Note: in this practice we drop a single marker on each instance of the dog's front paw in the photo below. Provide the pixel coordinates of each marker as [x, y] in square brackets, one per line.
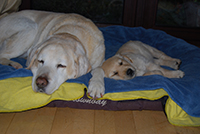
[96, 89]
[176, 63]
[179, 74]
[15, 65]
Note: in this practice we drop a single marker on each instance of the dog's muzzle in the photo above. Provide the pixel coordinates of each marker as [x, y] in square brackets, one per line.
[41, 83]
[130, 72]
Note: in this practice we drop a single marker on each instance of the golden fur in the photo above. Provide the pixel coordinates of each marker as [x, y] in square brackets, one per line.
[135, 58]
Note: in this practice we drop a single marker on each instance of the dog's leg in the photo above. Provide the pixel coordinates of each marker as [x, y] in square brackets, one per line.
[161, 58]
[170, 63]
[156, 69]
[16, 65]
[15, 39]
[13, 46]
[9, 50]
[154, 72]
[96, 87]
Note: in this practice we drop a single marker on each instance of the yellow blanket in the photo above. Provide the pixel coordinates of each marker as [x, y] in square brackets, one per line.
[17, 95]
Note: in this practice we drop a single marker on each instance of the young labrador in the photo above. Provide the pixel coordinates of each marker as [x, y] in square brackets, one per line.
[57, 47]
[135, 58]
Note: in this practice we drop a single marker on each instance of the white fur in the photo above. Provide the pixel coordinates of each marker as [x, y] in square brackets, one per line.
[57, 46]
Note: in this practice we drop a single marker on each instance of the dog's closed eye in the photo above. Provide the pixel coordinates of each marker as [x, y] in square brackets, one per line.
[41, 61]
[115, 73]
[61, 66]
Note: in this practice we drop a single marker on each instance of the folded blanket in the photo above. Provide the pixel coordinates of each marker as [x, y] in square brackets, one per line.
[184, 92]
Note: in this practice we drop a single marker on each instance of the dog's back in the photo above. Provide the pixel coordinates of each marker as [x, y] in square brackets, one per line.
[137, 48]
[34, 27]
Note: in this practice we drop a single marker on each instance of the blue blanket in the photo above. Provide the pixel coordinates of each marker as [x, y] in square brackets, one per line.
[185, 92]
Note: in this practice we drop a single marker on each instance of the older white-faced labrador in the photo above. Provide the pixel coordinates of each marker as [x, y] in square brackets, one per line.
[135, 58]
[57, 46]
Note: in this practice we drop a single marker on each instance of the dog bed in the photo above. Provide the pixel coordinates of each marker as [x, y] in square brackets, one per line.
[180, 97]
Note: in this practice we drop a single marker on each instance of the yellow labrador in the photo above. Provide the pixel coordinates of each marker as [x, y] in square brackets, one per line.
[57, 46]
[135, 58]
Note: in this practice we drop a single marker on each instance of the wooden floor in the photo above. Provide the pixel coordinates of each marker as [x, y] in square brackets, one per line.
[75, 121]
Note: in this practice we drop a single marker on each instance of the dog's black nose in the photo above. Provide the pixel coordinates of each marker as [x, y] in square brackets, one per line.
[41, 82]
[130, 72]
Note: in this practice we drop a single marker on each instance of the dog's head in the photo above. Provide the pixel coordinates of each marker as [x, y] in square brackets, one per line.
[119, 67]
[56, 61]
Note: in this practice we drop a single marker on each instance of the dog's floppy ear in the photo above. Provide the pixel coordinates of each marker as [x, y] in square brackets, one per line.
[83, 65]
[31, 60]
[80, 65]
[33, 55]
[126, 56]
[81, 60]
